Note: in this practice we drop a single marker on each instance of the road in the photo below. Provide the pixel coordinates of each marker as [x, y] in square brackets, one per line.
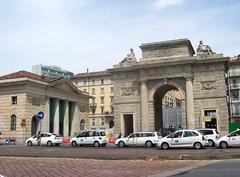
[115, 153]
[226, 168]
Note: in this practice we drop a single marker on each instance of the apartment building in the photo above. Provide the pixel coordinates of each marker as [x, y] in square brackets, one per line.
[234, 89]
[98, 85]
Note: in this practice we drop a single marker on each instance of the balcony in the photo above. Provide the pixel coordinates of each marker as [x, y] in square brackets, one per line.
[93, 104]
[234, 86]
[108, 114]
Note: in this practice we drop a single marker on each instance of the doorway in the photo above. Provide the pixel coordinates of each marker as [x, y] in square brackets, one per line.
[34, 125]
[128, 123]
[210, 117]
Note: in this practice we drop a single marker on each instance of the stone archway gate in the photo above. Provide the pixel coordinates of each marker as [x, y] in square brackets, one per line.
[200, 78]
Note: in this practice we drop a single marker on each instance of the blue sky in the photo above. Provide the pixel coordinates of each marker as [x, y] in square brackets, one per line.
[95, 34]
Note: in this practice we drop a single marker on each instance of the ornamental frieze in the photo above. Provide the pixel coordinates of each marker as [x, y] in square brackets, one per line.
[208, 85]
[127, 91]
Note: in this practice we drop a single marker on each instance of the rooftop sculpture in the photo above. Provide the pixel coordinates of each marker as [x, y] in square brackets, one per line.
[204, 49]
[130, 58]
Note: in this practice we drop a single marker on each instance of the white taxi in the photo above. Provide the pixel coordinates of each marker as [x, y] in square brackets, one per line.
[183, 138]
[147, 139]
[48, 139]
[92, 137]
[230, 140]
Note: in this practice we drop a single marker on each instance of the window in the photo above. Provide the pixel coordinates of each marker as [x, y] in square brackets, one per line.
[93, 91]
[235, 95]
[102, 90]
[236, 133]
[206, 132]
[13, 123]
[112, 109]
[93, 122]
[85, 90]
[84, 82]
[102, 81]
[111, 97]
[111, 89]
[82, 125]
[82, 108]
[234, 81]
[93, 82]
[177, 135]
[14, 99]
[102, 121]
[102, 109]
[93, 110]
[187, 134]
[102, 99]
[36, 101]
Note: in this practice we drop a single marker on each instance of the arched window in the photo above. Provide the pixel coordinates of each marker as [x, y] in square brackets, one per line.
[13, 123]
[82, 125]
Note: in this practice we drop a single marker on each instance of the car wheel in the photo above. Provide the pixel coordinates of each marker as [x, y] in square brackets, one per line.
[165, 146]
[121, 144]
[29, 143]
[74, 144]
[211, 143]
[223, 145]
[96, 144]
[197, 145]
[148, 144]
[49, 143]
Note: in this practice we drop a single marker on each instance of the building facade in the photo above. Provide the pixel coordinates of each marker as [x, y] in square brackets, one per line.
[99, 86]
[234, 89]
[52, 71]
[23, 95]
[171, 65]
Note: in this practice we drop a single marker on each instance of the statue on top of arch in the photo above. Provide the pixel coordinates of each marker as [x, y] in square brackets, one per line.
[204, 49]
[130, 58]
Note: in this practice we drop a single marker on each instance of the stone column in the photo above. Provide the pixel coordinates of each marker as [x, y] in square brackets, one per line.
[144, 123]
[56, 116]
[75, 121]
[66, 119]
[47, 114]
[190, 104]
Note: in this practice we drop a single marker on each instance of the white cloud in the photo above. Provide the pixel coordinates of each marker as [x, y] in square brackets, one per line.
[161, 4]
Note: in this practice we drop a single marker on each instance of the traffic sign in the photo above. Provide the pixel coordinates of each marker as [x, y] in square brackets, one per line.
[40, 115]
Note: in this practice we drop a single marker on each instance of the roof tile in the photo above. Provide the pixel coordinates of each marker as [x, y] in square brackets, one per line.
[22, 74]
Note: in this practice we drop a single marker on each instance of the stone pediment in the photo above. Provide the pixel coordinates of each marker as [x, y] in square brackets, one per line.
[66, 86]
[167, 49]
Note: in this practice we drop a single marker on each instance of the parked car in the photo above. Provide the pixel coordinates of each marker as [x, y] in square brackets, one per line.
[212, 135]
[147, 139]
[48, 139]
[93, 137]
[183, 138]
[230, 140]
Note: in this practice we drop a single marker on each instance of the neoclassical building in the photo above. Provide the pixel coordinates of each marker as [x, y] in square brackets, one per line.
[139, 86]
[24, 94]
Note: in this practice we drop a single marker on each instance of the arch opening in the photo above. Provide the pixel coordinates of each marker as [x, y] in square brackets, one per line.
[167, 108]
